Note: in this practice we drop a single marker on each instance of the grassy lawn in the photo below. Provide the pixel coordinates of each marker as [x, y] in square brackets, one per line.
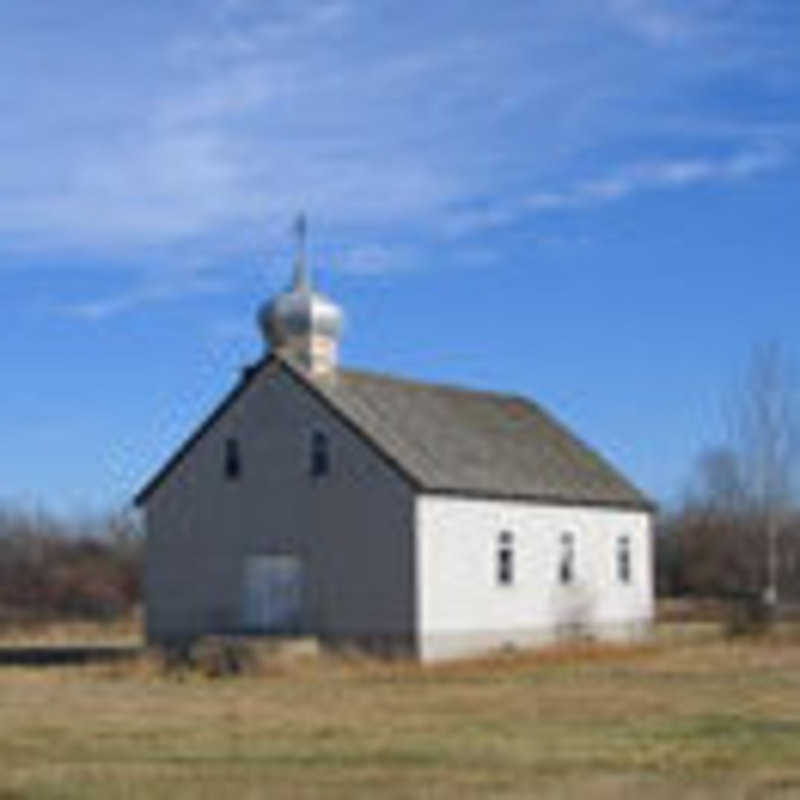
[680, 720]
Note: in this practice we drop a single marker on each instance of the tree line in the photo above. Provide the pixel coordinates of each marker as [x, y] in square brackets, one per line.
[57, 568]
[737, 532]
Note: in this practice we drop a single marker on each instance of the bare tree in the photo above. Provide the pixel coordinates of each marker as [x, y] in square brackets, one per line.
[718, 482]
[711, 546]
[764, 441]
[54, 567]
[737, 534]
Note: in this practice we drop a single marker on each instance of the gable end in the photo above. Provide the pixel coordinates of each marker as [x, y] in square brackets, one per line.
[248, 376]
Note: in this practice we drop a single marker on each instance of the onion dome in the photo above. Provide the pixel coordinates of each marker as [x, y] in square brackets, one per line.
[300, 321]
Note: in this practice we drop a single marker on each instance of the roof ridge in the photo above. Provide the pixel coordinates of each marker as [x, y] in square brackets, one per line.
[437, 385]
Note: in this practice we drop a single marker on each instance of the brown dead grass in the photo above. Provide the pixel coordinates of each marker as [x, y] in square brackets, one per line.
[679, 618]
[691, 719]
[684, 617]
[124, 630]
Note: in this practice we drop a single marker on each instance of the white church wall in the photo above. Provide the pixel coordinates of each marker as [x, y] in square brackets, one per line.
[463, 609]
[352, 528]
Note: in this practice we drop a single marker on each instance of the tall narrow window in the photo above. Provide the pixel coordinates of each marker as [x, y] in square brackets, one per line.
[233, 460]
[566, 563]
[505, 559]
[320, 455]
[624, 559]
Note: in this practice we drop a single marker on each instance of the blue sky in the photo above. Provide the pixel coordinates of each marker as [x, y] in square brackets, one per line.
[593, 202]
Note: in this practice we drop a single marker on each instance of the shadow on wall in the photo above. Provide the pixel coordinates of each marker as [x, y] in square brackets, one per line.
[573, 607]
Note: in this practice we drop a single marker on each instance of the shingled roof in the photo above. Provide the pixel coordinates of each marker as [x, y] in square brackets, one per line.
[458, 441]
[449, 440]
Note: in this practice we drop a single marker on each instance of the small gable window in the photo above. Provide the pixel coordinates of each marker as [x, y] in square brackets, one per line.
[505, 559]
[320, 454]
[624, 559]
[566, 563]
[233, 460]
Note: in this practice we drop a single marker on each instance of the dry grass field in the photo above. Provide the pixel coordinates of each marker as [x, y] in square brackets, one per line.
[124, 630]
[685, 719]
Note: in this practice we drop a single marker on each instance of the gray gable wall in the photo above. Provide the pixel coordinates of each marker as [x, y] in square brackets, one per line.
[353, 528]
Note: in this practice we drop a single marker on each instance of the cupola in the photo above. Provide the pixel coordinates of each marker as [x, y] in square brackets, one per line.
[300, 323]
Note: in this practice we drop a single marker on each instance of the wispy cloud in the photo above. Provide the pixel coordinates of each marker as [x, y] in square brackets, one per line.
[370, 259]
[472, 220]
[412, 127]
[143, 294]
[657, 23]
[654, 175]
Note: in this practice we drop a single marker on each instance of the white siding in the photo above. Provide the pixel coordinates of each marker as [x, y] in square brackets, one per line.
[461, 607]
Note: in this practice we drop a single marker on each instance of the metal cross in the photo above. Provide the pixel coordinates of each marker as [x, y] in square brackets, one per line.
[301, 270]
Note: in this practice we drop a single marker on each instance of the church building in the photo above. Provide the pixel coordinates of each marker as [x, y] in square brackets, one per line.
[385, 513]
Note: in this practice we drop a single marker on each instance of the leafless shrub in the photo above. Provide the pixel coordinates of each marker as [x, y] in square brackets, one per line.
[56, 569]
[223, 656]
